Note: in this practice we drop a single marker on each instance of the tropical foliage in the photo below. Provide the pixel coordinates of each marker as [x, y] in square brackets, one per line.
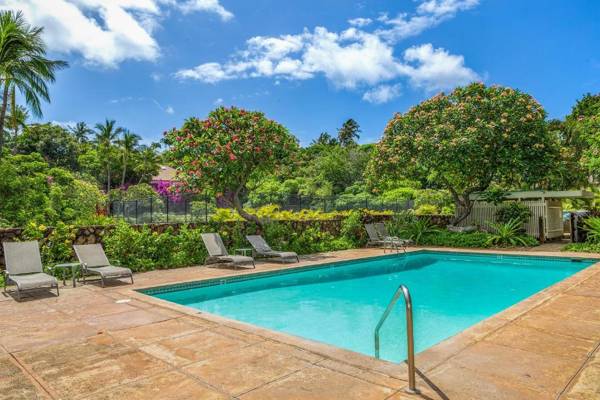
[509, 234]
[468, 140]
[32, 190]
[227, 150]
[23, 67]
[513, 211]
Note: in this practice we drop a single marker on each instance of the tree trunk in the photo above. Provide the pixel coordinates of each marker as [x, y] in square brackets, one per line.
[108, 179]
[240, 209]
[3, 116]
[124, 169]
[465, 204]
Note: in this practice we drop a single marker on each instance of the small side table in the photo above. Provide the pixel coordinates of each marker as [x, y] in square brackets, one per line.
[73, 267]
[244, 252]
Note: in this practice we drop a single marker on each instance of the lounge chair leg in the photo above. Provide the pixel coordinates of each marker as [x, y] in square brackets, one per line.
[57, 292]
[253, 265]
[102, 279]
[18, 294]
[131, 276]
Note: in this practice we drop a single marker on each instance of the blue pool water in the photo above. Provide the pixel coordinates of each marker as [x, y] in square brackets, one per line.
[340, 303]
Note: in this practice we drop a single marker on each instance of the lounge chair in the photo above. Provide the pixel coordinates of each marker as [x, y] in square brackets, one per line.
[386, 237]
[374, 238]
[94, 261]
[217, 253]
[263, 249]
[24, 267]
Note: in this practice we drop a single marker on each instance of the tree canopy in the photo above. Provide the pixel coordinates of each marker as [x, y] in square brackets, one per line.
[223, 152]
[469, 139]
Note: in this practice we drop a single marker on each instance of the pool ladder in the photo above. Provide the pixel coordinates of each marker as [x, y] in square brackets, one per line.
[402, 290]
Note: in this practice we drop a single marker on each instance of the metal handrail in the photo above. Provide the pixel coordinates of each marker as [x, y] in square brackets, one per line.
[412, 385]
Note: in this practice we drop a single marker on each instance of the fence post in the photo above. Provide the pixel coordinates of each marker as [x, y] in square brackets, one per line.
[299, 202]
[167, 208]
[541, 228]
[151, 210]
[366, 203]
[206, 209]
[185, 210]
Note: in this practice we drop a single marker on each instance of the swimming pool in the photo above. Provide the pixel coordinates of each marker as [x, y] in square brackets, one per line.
[341, 303]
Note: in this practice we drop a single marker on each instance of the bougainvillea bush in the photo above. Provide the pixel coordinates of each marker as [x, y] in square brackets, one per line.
[221, 153]
[468, 140]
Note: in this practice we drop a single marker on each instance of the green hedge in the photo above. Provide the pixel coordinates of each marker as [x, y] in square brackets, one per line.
[467, 240]
[144, 250]
[586, 247]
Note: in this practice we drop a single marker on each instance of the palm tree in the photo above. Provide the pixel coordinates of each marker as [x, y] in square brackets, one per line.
[325, 139]
[18, 118]
[106, 135]
[81, 131]
[23, 65]
[348, 132]
[148, 163]
[128, 143]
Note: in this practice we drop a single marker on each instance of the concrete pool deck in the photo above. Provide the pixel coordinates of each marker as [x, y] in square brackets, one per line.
[115, 343]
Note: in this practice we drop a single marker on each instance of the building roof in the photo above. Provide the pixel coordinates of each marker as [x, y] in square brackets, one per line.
[544, 194]
[165, 173]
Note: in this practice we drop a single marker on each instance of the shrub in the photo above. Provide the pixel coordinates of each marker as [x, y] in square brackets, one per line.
[437, 198]
[32, 191]
[592, 227]
[418, 229]
[457, 239]
[426, 209]
[352, 230]
[55, 247]
[509, 234]
[513, 210]
[396, 225]
[583, 247]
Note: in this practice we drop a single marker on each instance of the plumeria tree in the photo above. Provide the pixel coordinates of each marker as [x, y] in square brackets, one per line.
[225, 151]
[467, 140]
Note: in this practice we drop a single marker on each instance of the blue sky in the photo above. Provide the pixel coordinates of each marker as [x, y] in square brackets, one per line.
[309, 64]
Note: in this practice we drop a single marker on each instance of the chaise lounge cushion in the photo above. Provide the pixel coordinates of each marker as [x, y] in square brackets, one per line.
[33, 281]
[110, 271]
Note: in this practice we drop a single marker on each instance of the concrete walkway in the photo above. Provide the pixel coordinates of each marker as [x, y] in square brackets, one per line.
[114, 343]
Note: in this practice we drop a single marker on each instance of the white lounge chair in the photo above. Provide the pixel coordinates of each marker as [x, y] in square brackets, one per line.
[94, 261]
[217, 253]
[262, 248]
[24, 267]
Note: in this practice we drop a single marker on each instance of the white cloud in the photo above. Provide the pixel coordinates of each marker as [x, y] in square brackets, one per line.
[206, 5]
[353, 59]
[360, 22]
[156, 77]
[170, 110]
[105, 32]
[218, 102]
[436, 69]
[382, 94]
[348, 59]
[429, 14]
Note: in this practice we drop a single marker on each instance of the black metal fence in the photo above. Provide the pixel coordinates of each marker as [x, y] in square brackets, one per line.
[200, 209]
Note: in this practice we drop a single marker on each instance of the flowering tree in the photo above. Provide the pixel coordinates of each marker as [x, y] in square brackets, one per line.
[468, 140]
[226, 150]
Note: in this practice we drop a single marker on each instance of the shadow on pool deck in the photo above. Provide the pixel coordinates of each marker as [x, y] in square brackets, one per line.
[115, 343]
